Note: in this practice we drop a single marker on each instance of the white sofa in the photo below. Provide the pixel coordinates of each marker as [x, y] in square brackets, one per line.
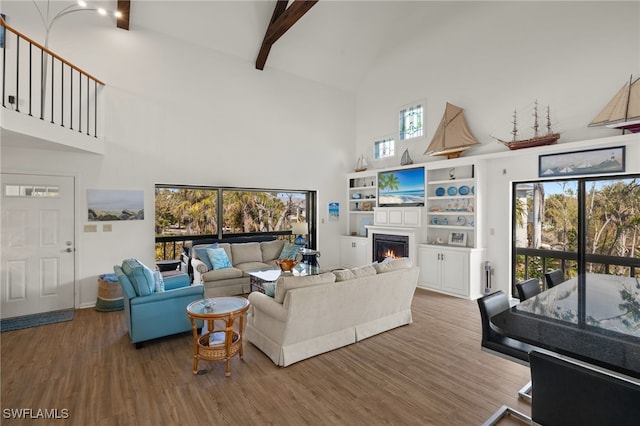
[316, 314]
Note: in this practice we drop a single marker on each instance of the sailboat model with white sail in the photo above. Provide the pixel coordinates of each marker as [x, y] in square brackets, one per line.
[623, 111]
[452, 136]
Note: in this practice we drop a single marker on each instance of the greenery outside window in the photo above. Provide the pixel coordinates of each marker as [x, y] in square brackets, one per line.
[189, 213]
[558, 222]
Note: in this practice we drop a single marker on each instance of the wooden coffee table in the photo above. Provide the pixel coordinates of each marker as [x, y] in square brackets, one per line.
[217, 344]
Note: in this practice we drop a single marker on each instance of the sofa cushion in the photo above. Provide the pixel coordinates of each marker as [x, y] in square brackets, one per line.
[218, 257]
[246, 252]
[289, 251]
[400, 263]
[349, 274]
[201, 253]
[271, 249]
[286, 283]
[222, 274]
[140, 276]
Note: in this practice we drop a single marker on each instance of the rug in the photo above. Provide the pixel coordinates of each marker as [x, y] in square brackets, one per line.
[36, 320]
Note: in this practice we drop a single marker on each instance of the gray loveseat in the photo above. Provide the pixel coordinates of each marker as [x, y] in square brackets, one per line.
[244, 257]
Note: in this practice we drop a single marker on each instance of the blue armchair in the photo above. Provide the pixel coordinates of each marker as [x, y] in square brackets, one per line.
[149, 313]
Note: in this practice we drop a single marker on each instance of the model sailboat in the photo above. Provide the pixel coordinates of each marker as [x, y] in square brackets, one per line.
[623, 111]
[537, 140]
[452, 136]
[361, 164]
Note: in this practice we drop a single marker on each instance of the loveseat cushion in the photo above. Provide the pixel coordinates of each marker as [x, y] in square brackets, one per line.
[271, 249]
[286, 283]
[246, 252]
[222, 274]
[141, 277]
[392, 265]
[349, 274]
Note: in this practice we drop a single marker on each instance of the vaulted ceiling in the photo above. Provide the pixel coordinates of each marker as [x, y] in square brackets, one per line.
[334, 42]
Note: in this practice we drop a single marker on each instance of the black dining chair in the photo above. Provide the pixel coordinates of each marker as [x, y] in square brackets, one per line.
[571, 393]
[528, 288]
[554, 277]
[498, 344]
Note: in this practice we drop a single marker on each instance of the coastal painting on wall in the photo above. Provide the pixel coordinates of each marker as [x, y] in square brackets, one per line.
[107, 205]
[586, 162]
[334, 211]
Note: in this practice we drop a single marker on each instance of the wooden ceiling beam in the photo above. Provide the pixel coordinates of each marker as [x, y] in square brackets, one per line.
[282, 19]
[124, 7]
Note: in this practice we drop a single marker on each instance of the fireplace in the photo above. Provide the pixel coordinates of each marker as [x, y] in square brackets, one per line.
[390, 246]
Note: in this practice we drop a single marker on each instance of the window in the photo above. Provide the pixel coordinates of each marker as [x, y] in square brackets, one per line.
[11, 190]
[411, 119]
[384, 148]
[187, 213]
[556, 223]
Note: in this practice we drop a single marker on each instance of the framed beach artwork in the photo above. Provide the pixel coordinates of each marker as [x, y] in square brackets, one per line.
[585, 162]
[334, 211]
[108, 205]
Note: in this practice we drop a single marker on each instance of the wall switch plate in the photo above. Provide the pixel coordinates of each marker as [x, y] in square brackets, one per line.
[91, 228]
[106, 228]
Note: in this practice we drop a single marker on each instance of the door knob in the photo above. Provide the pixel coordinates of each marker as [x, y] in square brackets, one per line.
[69, 250]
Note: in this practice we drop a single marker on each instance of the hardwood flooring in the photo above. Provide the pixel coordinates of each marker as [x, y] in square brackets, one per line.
[431, 372]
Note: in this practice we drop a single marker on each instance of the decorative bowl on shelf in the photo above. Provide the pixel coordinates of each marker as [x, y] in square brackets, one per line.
[463, 190]
[439, 191]
[452, 190]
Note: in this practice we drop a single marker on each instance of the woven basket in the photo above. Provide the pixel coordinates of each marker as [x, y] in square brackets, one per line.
[109, 296]
[217, 352]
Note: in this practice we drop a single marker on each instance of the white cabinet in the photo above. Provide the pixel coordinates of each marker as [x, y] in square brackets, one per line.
[451, 270]
[353, 252]
[361, 200]
[398, 216]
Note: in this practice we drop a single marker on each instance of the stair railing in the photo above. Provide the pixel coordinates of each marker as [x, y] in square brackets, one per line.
[70, 101]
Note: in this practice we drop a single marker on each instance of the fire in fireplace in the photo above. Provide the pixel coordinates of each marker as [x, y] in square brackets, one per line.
[389, 246]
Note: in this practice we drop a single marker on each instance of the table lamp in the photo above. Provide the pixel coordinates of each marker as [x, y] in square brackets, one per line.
[300, 229]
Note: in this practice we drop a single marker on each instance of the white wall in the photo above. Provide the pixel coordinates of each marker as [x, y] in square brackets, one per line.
[493, 57]
[181, 114]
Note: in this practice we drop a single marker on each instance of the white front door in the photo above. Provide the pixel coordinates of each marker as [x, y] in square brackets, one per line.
[37, 244]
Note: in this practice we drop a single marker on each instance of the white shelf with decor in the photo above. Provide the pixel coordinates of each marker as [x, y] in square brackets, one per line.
[452, 258]
[361, 199]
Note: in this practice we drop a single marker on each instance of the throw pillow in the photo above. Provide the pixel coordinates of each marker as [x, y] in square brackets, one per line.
[202, 254]
[219, 258]
[140, 276]
[159, 282]
[269, 288]
[289, 251]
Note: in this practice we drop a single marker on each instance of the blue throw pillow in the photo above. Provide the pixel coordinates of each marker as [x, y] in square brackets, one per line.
[159, 282]
[219, 258]
[202, 254]
[269, 288]
[289, 251]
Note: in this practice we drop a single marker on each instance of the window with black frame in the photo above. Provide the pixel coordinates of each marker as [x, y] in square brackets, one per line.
[580, 226]
[190, 213]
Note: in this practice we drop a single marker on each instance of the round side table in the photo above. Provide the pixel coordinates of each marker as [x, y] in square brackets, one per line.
[217, 344]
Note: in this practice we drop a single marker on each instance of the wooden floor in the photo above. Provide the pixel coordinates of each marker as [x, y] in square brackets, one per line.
[431, 372]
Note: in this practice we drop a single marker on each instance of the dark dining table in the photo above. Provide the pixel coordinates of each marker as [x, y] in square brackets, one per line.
[594, 318]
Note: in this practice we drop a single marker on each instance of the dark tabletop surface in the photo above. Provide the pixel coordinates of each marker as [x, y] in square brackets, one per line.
[594, 318]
